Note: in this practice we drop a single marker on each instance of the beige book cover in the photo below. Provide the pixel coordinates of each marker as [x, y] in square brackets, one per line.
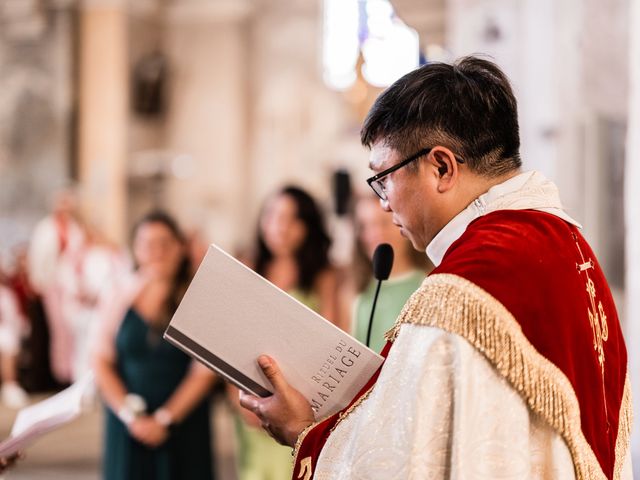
[230, 315]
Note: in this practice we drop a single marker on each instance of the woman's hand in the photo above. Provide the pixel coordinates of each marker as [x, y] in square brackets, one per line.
[148, 431]
[286, 413]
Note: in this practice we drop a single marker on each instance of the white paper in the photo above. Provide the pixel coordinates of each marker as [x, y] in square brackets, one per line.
[36, 420]
[230, 315]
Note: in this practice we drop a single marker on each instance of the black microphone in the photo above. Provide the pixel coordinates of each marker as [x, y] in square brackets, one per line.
[382, 263]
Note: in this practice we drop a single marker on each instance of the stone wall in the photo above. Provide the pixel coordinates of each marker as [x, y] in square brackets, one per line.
[36, 111]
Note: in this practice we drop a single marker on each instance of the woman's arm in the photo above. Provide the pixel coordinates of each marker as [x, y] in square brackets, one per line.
[153, 430]
[143, 428]
[109, 382]
[110, 312]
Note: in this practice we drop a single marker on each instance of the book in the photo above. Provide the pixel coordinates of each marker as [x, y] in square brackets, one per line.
[230, 315]
[36, 420]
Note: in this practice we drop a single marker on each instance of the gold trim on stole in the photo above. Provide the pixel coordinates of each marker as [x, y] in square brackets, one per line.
[341, 416]
[458, 306]
[300, 439]
[625, 422]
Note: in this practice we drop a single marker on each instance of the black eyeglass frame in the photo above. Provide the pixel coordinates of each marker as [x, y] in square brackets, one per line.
[375, 179]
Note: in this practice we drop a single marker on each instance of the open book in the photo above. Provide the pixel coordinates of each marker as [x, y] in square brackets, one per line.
[36, 420]
[230, 315]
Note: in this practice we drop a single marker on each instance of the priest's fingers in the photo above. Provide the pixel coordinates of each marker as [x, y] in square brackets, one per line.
[285, 413]
[272, 372]
[250, 402]
[248, 415]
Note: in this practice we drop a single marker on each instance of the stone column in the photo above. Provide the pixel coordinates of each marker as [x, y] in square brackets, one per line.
[206, 131]
[103, 118]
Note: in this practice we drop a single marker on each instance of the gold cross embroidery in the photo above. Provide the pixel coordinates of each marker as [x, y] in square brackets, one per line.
[597, 318]
[598, 321]
[306, 470]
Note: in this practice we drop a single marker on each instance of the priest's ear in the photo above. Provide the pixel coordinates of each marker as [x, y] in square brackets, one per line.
[447, 167]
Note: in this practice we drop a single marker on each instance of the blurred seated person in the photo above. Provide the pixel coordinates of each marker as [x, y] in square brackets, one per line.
[410, 267]
[35, 369]
[292, 252]
[12, 328]
[157, 415]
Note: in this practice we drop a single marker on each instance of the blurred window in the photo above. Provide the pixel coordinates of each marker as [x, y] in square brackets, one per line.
[388, 47]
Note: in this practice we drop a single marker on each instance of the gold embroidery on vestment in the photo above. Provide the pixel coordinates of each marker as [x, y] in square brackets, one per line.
[341, 416]
[300, 439]
[597, 320]
[306, 469]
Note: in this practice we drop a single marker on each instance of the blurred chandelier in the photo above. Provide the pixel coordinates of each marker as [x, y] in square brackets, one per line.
[364, 41]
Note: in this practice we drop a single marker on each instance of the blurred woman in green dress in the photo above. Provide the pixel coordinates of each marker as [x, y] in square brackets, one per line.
[373, 227]
[292, 253]
[157, 408]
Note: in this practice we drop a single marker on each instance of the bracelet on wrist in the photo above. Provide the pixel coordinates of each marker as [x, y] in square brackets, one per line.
[163, 417]
[133, 406]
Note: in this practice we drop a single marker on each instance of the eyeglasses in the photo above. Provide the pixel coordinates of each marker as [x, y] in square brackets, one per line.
[376, 182]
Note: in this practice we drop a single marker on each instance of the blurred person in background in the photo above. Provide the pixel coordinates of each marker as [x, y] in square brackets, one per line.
[197, 246]
[373, 227]
[12, 329]
[87, 276]
[35, 372]
[292, 252]
[57, 238]
[157, 415]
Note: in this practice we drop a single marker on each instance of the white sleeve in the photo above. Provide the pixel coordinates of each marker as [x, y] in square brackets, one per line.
[439, 410]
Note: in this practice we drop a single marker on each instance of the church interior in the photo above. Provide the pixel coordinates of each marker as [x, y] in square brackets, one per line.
[203, 109]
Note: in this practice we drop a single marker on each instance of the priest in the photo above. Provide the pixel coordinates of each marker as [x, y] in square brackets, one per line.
[509, 360]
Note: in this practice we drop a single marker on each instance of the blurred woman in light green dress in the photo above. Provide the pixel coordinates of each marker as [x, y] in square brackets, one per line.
[292, 253]
[373, 227]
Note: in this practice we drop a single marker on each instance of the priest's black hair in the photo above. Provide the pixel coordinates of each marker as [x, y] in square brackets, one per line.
[468, 107]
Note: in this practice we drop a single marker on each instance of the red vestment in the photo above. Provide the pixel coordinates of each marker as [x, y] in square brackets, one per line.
[542, 271]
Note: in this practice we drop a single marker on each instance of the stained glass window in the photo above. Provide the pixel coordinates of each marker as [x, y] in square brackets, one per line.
[389, 48]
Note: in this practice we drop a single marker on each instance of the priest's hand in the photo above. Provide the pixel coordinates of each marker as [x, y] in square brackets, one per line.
[286, 413]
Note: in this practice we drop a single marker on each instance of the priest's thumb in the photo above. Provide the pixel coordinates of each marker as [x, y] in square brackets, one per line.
[272, 372]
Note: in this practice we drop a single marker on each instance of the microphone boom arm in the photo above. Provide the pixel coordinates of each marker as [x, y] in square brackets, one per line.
[373, 309]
